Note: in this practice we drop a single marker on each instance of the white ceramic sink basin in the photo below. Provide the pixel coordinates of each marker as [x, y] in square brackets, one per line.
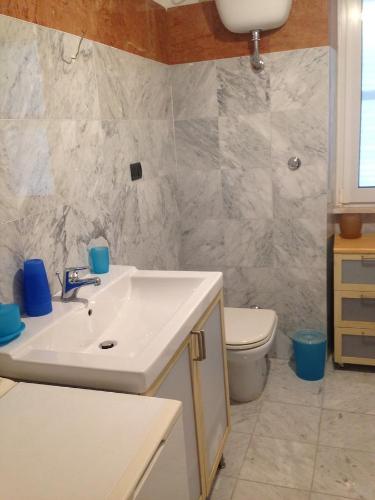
[145, 315]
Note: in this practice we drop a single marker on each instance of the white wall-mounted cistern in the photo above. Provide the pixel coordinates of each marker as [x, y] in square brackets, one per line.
[254, 16]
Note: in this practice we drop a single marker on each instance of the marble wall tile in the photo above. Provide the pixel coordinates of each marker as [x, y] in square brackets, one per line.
[279, 462]
[131, 86]
[199, 195]
[194, 91]
[291, 422]
[299, 78]
[240, 90]
[158, 219]
[26, 172]
[16, 31]
[249, 243]
[83, 180]
[300, 301]
[21, 79]
[245, 141]
[11, 262]
[67, 232]
[303, 134]
[154, 102]
[197, 144]
[70, 89]
[249, 489]
[111, 70]
[291, 235]
[247, 286]
[345, 473]
[247, 193]
[201, 244]
[156, 147]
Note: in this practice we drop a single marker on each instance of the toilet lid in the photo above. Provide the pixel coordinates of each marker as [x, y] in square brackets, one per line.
[248, 327]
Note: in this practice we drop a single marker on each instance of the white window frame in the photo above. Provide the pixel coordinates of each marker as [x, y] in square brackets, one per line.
[349, 88]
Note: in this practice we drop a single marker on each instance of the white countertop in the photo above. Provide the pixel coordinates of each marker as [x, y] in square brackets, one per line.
[62, 443]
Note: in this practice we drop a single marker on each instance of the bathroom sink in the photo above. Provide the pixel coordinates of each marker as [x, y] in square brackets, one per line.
[118, 336]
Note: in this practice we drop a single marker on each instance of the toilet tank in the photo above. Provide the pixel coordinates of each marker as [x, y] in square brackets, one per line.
[242, 16]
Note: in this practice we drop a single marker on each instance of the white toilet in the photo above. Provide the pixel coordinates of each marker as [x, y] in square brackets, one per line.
[249, 337]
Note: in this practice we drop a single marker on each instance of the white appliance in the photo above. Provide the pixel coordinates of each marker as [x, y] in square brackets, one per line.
[59, 443]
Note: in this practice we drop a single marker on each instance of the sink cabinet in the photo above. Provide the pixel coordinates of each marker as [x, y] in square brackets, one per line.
[197, 376]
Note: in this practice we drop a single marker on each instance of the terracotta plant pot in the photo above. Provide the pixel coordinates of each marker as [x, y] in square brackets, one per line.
[350, 226]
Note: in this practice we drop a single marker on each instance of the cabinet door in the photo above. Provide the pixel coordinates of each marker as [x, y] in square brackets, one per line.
[212, 384]
[178, 385]
[166, 474]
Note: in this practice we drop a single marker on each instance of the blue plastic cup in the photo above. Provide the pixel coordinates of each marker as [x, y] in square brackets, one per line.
[310, 351]
[37, 294]
[10, 320]
[99, 260]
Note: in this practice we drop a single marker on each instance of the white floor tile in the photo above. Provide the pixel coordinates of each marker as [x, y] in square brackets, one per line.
[320, 496]
[248, 490]
[285, 387]
[223, 488]
[350, 391]
[244, 416]
[279, 462]
[346, 473]
[291, 422]
[234, 453]
[347, 430]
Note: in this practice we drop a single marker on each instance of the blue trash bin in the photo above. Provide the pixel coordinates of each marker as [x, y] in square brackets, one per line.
[310, 351]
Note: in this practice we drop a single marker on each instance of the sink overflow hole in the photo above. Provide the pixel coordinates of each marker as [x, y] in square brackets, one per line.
[89, 312]
[107, 344]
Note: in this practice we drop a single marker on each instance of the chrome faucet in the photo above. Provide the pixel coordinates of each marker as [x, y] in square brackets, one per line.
[71, 282]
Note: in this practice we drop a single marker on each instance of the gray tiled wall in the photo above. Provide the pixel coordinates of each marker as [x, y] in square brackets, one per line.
[242, 210]
[68, 133]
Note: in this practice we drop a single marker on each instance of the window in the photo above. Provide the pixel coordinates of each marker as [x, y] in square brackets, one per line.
[367, 136]
[356, 103]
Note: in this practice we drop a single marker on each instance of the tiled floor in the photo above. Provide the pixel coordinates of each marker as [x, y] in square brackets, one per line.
[303, 440]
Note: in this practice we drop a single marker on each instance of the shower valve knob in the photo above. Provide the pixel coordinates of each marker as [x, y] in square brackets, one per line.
[294, 163]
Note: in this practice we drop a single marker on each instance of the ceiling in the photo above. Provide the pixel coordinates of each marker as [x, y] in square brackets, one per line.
[177, 3]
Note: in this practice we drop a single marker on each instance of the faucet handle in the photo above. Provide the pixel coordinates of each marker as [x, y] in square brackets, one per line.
[76, 269]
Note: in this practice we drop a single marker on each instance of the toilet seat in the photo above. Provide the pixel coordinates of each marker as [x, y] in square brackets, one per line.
[248, 328]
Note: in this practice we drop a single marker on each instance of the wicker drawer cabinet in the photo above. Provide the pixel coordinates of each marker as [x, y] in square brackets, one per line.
[354, 299]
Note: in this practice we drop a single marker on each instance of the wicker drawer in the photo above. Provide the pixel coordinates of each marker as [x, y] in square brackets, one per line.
[355, 345]
[355, 272]
[355, 309]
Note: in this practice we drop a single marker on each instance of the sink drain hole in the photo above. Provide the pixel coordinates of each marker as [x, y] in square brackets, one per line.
[107, 344]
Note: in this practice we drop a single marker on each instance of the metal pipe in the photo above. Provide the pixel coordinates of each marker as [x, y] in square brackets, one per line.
[256, 61]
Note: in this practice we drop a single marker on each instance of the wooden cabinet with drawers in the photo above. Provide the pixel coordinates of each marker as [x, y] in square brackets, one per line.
[354, 300]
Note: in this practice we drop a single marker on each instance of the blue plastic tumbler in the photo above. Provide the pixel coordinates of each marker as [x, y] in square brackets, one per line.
[37, 294]
[99, 260]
